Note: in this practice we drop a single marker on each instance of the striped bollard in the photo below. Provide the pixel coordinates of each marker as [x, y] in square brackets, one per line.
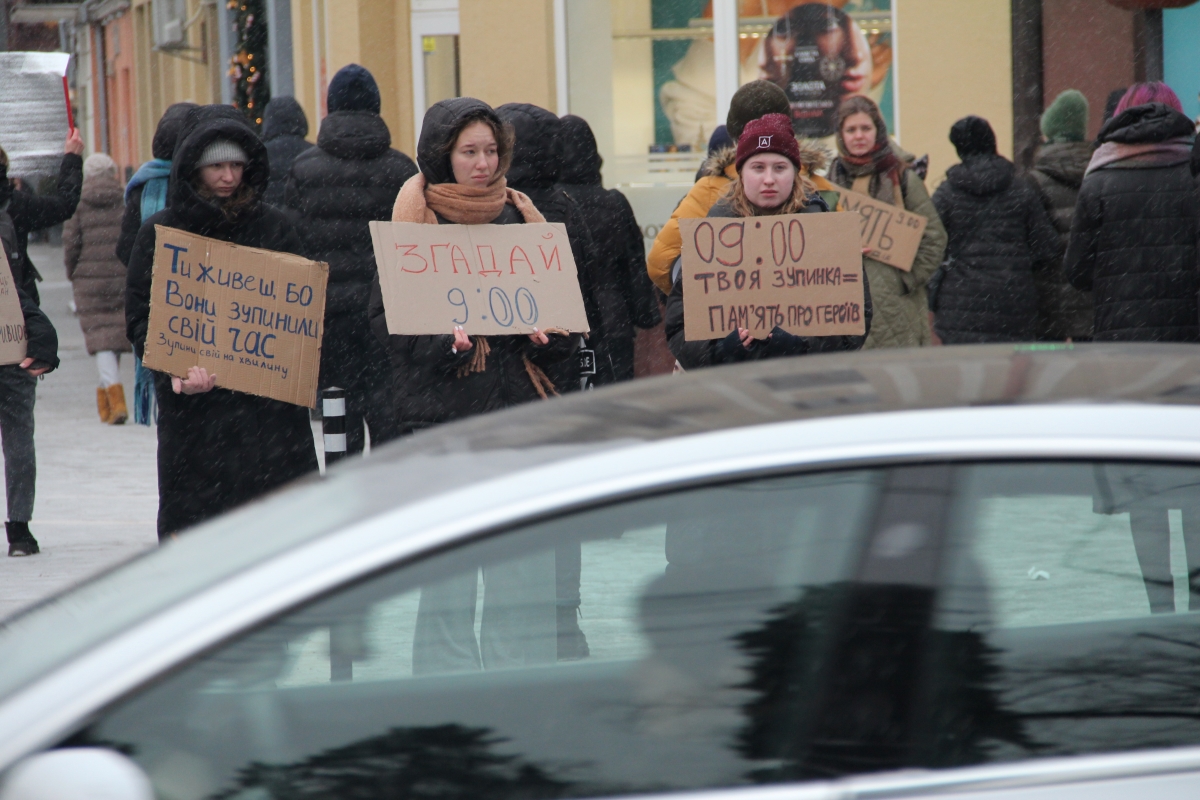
[333, 424]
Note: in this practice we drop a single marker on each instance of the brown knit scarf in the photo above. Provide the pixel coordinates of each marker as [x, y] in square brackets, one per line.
[471, 205]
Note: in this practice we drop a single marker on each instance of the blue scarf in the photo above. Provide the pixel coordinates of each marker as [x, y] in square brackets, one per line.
[153, 176]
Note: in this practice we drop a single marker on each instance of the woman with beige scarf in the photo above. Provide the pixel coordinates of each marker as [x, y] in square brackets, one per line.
[464, 152]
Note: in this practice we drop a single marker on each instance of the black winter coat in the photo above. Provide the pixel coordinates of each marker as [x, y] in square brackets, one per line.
[624, 295]
[32, 212]
[1063, 311]
[283, 131]
[333, 192]
[536, 161]
[714, 352]
[351, 177]
[428, 388]
[1134, 237]
[223, 448]
[41, 340]
[999, 235]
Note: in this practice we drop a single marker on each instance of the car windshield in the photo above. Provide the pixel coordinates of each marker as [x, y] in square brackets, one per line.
[76, 621]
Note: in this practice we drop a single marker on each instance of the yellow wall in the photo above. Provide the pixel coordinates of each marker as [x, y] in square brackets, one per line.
[954, 59]
[162, 79]
[372, 33]
[506, 51]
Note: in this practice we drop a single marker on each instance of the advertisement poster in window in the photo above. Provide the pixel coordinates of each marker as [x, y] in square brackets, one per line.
[817, 52]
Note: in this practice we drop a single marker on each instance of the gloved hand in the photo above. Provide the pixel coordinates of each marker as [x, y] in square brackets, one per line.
[731, 349]
[781, 343]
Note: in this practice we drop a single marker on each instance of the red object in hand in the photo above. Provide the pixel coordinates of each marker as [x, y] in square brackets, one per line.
[70, 113]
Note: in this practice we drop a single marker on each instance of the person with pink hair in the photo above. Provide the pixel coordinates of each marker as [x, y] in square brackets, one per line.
[1134, 244]
[1141, 94]
[1137, 223]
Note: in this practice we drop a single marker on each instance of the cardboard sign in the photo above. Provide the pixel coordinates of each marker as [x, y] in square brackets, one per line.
[492, 280]
[802, 272]
[254, 317]
[892, 233]
[12, 318]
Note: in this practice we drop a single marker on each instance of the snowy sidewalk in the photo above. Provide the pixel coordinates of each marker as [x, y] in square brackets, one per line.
[97, 490]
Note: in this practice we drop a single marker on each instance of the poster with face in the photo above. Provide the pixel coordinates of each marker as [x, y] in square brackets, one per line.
[818, 54]
[817, 51]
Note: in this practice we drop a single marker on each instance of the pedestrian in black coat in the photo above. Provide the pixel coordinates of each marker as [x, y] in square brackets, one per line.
[536, 162]
[283, 130]
[32, 212]
[444, 377]
[999, 236]
[1064, 312]
[146, 192]
[334, 191]
[217, 448]
[18, 394]
[1134, 236]
[623, 291]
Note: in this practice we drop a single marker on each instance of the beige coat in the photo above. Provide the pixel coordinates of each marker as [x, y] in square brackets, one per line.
[98, 278]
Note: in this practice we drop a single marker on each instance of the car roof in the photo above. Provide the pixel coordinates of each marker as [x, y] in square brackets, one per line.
[538, 435]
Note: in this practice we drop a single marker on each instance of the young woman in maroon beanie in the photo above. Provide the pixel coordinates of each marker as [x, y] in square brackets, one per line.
[769, 182]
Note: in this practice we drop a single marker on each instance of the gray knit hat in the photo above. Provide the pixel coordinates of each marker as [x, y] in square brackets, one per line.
[221, 151]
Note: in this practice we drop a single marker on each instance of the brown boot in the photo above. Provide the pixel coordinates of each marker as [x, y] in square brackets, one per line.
[102, 405]
[116, 403]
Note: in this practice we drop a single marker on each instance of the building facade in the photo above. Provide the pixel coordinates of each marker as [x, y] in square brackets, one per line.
[653, 77]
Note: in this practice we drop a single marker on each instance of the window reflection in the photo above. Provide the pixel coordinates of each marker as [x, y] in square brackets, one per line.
[705, 613]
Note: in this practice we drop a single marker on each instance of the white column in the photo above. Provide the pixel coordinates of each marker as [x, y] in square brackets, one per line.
[561, 73]
[225, 46]
[279, 47]
[725, 53]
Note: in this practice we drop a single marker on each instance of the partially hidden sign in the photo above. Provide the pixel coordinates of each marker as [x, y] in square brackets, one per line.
[801, 272]
[254, 317]
[490, 279]
[892, 234]
[12, 319]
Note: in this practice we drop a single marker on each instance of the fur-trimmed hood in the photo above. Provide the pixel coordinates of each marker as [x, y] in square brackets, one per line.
[813, 157]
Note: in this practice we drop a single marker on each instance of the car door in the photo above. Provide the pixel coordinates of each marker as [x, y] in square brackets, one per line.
[1064, 645]
[723, 636]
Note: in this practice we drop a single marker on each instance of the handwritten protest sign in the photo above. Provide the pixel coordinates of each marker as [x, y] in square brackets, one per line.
[490, 279]
[254, 317]
[892, 234]
[802, 272]
[12, 319]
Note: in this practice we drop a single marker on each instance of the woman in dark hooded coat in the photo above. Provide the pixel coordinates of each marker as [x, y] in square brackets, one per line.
[334, 192]
[217, 448]
[536, 161]
[283, 130]
[623, 290]
[1137, 221]
[146, 192]
[999, 236]
[464, 153]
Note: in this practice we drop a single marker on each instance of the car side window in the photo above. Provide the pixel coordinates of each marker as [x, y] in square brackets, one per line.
[663, 643]
[1065, 623]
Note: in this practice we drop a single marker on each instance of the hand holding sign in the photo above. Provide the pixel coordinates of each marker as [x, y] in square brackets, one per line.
[255, 318]
[800, 272]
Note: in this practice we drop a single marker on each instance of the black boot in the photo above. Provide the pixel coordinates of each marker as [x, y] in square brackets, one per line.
[20, 540]
[572, 644]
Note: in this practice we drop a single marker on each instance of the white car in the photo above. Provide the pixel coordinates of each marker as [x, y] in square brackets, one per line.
[960, 572]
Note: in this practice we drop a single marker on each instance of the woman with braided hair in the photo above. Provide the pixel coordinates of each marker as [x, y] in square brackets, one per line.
[463, 153]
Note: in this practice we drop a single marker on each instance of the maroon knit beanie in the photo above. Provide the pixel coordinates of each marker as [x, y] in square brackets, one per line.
[768, 134]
